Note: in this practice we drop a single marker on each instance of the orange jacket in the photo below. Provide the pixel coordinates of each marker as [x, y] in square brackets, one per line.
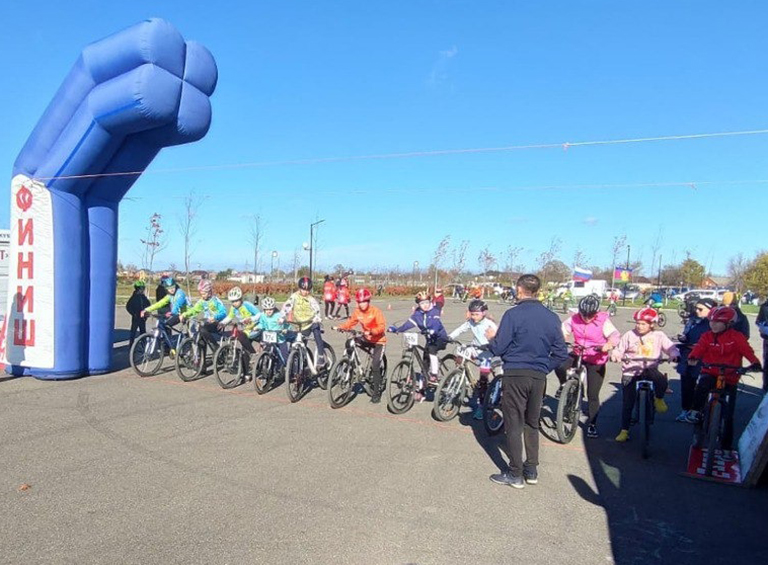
[372, 321]
[329, 291]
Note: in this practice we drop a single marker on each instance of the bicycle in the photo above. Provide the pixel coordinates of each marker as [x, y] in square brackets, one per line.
[710, 430]
[269, 363]
[406, 380]
[493, 416]
[661, 321]
[192, 353]
[229, 360]
[148, 350]
[611, 308]
[301, 366]
[461, 296]
[506, 296]
[352, 370]
[644, 409]
[460, 384]
[571, 395]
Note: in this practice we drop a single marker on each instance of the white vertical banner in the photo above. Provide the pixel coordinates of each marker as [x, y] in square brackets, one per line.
[28, 328]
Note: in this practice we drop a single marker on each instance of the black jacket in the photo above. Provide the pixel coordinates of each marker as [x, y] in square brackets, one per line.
[137, 303]
[530, 339]
[741, 324]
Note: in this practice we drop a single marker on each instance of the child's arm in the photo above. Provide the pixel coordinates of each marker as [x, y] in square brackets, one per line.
[746, 350]
[618, 353]
[458, 331]
[669, 348]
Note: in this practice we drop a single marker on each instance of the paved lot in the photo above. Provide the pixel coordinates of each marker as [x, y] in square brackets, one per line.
[130, 470]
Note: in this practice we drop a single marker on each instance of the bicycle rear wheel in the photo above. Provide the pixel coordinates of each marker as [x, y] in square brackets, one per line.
[713, 436]
[568, 411]
[190, 359]
[330, 361]
[228, 364]
[340, 384]
[448, 396]
[662, 321]
[493, 417]
[264, 373]
[368, 382]
[147, 355]
[295, 378]
[400, 388]
[645, 405]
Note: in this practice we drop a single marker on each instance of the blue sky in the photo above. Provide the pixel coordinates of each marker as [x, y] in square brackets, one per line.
[303, 80]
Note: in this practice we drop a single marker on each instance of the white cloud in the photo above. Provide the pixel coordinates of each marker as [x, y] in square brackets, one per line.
[590, 221]
[438, 76]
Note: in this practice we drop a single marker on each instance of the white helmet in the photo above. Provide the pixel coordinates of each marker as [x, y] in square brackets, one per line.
[235, 293]
[268, 303]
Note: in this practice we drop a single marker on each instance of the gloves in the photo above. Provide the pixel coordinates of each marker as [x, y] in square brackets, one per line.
[755, 368]
[392, 329]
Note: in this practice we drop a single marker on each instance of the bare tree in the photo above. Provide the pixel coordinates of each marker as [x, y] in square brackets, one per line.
[580, 258]
[655, 248]
[154, 242]
[459, 255]
[188, 228]
[619, 243]
[486, 259]
[737, 270]
[256, 233]
[511, 254]
[439, 255]
[546, 259]
[296, 261]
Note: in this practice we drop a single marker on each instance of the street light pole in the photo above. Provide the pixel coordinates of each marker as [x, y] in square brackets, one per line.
[415, 270]
[626, 284]
[272, 267]
[312, 243]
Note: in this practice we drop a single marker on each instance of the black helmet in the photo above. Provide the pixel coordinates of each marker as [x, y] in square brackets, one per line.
[589, 305]
[477, 306]
[305, 283]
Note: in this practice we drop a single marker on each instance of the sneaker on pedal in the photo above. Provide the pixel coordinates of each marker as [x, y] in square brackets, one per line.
[660, 405]
[592, 431]
[693, 417]
[682, 416]
[478, 413]
[623, 436]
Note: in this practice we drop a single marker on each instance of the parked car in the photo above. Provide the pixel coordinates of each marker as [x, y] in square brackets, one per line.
[608, 291]
[630, 293]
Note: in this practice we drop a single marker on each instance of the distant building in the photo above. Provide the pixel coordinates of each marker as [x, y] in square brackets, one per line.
[716, 282]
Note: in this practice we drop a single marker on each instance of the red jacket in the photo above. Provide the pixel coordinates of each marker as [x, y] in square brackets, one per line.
[329, 291]
[726, 348]
[342, 295]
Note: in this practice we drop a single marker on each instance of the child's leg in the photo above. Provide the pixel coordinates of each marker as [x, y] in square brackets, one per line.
[687, 386]
[700, 394]
[660, 382]
[730, 407]
[595, 377]
[628, 402]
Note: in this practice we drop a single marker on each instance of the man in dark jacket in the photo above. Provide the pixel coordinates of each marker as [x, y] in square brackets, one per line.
[762, 324]
[135, 305]
[741, 324]
[530, 342]
[695, 327]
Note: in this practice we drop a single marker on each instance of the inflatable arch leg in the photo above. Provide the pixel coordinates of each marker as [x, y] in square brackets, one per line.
[127, 96]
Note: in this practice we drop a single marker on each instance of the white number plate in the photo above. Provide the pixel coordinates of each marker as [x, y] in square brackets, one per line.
[411, 339]
[467, 353]
[270, 337]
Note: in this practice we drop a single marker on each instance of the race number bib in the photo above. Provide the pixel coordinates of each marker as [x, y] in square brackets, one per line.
[411, 340]
[270, 337]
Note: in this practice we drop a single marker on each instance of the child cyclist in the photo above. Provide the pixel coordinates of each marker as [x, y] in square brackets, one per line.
[212, 309]
[639, 352]
[175, 302]
[245, 313]
[426, 318]
[595, 335]
[304, 310]
[271, 320]
[374, 339]
[477, 323]
[721, 345]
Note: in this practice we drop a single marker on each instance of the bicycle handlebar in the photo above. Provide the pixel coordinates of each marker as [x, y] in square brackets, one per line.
[723, 366]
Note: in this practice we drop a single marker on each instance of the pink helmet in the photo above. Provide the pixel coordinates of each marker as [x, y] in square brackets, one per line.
[646, 315]
[205, 286]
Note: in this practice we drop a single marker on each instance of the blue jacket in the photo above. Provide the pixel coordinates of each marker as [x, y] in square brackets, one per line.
[530, 339]
[694, 329]
[429, 320]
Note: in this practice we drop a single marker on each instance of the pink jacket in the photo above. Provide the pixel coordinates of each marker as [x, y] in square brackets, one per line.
[593, 334]
[650, 346]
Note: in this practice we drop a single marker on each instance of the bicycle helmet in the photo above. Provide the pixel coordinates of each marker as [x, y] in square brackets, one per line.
[646, 315]
[139, 284]
[305, 283]
[477, 306]
[235, 293]
[363, 295]
[589, 305]
[421, 296]
[168, 282]
[204, 286]
[724, 314]
[268, 303]
[343, 282]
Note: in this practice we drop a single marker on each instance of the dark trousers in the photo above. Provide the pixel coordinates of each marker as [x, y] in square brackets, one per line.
[314, 330]
[703, 387]
[629, 393]
[765, 364]
[329, 308]
[687, 385]
[595, 378]
[138, 325]
[338, 309]
[376, 351]
[521, 404]
[207, 330]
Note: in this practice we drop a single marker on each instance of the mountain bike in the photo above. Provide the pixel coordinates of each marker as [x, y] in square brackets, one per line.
[409, 375]
[710, 430]
[571, 396]
[644, 409]
[229, 361]
[459, 385]
[352, 370]
[461, 296]
[493, 416]
[192, 353]
[269, 364]
[301, 366]
[611, 309]
[506, 296]
[662, 317]
[149, 349]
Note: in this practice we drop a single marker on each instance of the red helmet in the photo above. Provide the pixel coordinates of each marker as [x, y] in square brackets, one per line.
[305, 283]
[724, 314]
[363, 295]
[646, 315]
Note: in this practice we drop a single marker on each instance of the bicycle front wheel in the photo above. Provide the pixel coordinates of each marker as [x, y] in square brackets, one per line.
[448, 396]
[493, 417]
[228, 365]
[324, 370]
[264, 373]
[400, 388]
[190, 359]
[713, 436]
[147, 355]
[662, 321]
[294, 375]
[340, 383]
[645, 403]
[568, 411]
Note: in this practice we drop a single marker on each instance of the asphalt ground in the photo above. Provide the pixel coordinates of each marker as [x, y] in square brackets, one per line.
[121, 469]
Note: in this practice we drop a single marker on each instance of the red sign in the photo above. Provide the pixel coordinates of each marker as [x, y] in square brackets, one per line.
[723, 470]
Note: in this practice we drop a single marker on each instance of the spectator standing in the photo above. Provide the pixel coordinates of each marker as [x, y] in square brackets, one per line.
[530, 342]
[135, 305]
[697, 326]
[342, 299]
[329, 295]
[742, 324]
[439, 299]
[762, 324]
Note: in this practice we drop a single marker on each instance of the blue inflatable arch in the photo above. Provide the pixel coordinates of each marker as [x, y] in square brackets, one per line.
[127, 96]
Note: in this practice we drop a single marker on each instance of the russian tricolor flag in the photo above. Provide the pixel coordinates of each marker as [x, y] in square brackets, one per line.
[581, 275]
